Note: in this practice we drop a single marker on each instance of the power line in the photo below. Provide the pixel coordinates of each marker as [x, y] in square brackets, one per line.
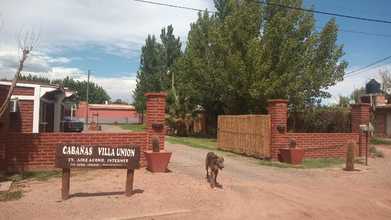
[357, 71]
[328, 13]
[172, 6]
[365, 33]
[283, 6]
[211, 11]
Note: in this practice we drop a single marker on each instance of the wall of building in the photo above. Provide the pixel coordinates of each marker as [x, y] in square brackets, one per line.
[23, 91]
[380, 122]
[22, 120]
[107, 115]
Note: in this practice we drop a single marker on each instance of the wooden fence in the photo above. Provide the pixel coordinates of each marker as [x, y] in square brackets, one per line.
[245, 134]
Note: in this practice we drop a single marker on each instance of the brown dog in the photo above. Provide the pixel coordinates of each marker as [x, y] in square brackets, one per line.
[213, 163]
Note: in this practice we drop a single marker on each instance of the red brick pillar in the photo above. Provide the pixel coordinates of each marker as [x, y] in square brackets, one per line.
[360, 116]
[278, 111]
[156, 110]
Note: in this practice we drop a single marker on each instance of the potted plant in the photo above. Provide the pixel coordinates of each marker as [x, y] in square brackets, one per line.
[292, 155]
[157, 160]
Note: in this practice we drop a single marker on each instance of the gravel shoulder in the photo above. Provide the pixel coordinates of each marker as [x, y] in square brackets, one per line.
[250, 191]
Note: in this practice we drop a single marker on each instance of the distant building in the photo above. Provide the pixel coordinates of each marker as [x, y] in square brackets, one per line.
[36, 107]
[107, 113]
[381, 108]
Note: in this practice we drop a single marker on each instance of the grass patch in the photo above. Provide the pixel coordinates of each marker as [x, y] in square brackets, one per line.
[133, 127]
[307, 163]
[380, 141]
[33, 175]
[10, 196]
[276, 164]
[211, 144]
[203, 143]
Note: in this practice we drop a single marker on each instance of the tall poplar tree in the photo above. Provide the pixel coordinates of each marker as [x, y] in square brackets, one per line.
[157, 58]
[247, 53]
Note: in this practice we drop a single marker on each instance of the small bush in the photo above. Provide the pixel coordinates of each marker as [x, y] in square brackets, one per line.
[35, 175]
[380, 141]
[320, 119]
[379, 154]
[374, 152]
[11, 195]
[307, 163]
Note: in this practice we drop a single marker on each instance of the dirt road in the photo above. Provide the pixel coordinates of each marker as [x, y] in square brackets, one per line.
[250, 191]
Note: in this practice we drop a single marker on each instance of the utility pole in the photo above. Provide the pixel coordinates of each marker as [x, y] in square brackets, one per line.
[88, 85]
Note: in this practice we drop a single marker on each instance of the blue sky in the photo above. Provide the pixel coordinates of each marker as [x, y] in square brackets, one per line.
[106, 37]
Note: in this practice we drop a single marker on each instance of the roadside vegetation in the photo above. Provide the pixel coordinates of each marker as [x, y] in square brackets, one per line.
[238, 58]
[307, 163]
[132, 127]
[15, 192]
[33, 175]
[204, 143]
[375, 152]
[10, 195]
[378, 141]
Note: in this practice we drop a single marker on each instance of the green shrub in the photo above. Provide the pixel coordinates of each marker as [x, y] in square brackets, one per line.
[375, 152]
[380, 141]
[320, 119]
[35, 175]
[11, 195]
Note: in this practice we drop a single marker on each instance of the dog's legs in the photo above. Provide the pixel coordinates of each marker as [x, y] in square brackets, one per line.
[216, 173]
[207, 172]
[212, 179]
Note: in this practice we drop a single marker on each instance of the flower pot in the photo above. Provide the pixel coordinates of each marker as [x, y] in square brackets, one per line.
[292, 155]
[157, 161]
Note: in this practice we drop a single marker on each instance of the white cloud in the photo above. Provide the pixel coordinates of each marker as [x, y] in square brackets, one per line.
[118, 87]
[118, 25]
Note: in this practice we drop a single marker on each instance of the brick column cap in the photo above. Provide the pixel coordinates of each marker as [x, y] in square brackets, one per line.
[155, 94]
[360, 105]
[277, 101]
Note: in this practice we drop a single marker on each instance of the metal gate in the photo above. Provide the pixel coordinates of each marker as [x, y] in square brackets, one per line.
[245, 134]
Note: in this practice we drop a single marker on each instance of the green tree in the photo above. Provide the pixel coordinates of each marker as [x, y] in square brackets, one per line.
[157, 59]
[344, 101]
[96, 94]
[357, 93]
[119, 101]
[248, 53]
[34, 78]
[386, 83]
[149, 75]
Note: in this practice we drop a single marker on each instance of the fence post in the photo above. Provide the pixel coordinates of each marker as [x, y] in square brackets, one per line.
[156, 110]
[360, 115]
[278, 111]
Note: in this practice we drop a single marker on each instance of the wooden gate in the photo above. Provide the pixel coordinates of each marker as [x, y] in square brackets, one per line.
[245, 134]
